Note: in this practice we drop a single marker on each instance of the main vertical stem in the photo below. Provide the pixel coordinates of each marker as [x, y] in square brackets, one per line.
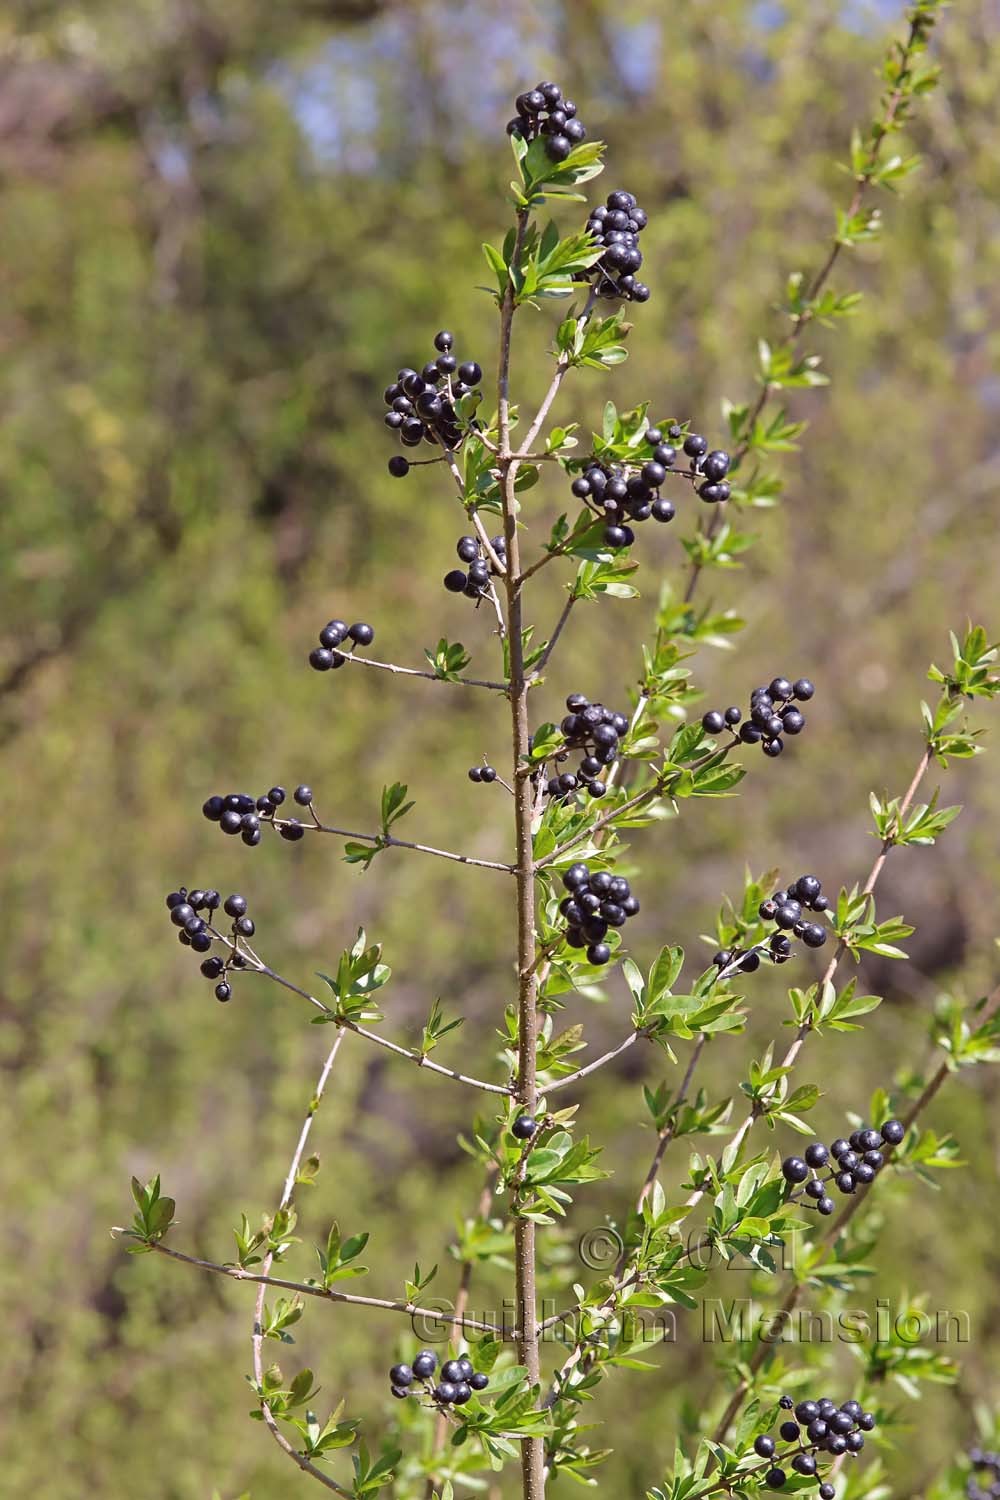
[532, 1449]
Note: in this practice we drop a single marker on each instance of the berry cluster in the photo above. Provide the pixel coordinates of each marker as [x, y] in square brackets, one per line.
[198, 933]
[597, 732]
[483, 773]
[855, 1162]
[985, 1463]
[543, 111]
[338, 633]
[474, 582]
[772, 714]
[818, 1428]
[616, 224]
[238, 812]
[785, 910]
[421, 408]
[621, 492]
[596, 901]
[459, 1379]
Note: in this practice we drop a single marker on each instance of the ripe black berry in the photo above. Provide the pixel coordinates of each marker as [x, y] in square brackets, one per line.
[361, 634]
[463, 1393]
[425, 1364]
[786, 1403]
[806, 1412]
[212, 967]
[713, 722]
[451, 1371]
[893, 1132]
[398, 466]
[794, 1169]
[444, 1392]
[303, 795]
[524, 1127]
[827, 1492]
[223, 991]
[479, 1382]
[775, 1479]
[790, 1431]
[235, 906]
[181, 913]
[763, 1446]
[816, 1154]
[401, 1375]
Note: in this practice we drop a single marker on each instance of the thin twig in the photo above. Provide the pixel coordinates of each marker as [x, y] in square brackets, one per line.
[386, 666]
[550, 646]
[562, 369]
[343, 1022]
[461, 1303]
[756, 1110]
[599, 1062]
[329, 1294]
[803, 318]
[389, 841]
[287, 1194]
[837, 1225]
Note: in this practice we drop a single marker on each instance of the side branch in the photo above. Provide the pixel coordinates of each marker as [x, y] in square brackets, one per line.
[792, 1053]
[840, 1223]
[345, 1024]
[389, 841]
[313, 1289]
[387, 666]
[287, 1193]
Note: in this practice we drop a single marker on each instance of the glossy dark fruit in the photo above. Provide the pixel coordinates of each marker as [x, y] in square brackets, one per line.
[790, 1431]
[524, 1127]
[893, 1132]
[223, 991]
[401, 1375]
[479, 1381]
[763, 1446]
[794, 1169]
[425, 1364]
[444, 1392]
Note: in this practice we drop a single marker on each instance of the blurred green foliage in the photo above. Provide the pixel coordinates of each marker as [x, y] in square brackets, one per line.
[223, 226]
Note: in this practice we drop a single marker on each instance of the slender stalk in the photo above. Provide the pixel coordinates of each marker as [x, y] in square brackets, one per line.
[803, 318]
[287, 1193]
[312, 1289]
[389, 841]
[532, 1448]
[840, 1223]
[344, 1024]
[791, 1055]
[667, 1133]
[387, 666]
[543, 660]
[561, 371]
[459, 1320]
[599, 1062]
